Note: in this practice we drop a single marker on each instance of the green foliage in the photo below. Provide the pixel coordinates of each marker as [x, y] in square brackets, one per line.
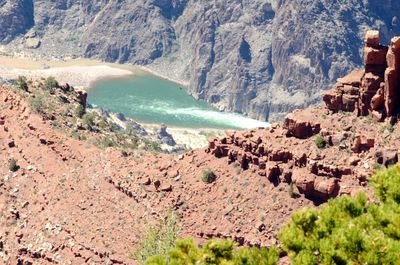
[88, 120]
[106, 142]
[214, 252]
[12, 165]
[38, 104]
[320, 142]
[387, 185]
[159, 240]
[21, 83]
[80, 111]
[50, 83]
[208, 176]
[347, 230]
[151, 146]
[377, 167]
[238, 169]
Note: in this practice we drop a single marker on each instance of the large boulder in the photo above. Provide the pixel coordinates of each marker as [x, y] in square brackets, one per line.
[353, 78]
[333, 99]
[304, 182]
[301, 126]
[386, 157]
[326, 187]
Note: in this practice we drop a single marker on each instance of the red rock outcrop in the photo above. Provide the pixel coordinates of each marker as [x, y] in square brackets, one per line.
[301, 127]
[373, 90]
[276, 154]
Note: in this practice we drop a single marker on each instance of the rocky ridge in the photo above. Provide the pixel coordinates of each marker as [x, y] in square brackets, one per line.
[262, 58]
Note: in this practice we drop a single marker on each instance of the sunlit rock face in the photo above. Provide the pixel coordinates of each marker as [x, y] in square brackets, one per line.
[261, 57]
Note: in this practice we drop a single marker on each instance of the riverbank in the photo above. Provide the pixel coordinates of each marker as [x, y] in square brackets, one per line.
[76, 72]
[79, 73]
[189, 137]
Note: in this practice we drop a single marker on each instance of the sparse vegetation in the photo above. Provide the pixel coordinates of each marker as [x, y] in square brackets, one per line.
[320, 142]
[208, 134]
[159, 239]
[347, 230]
[106, 141]
[88, 120]
[12, 165]
[389, 128]
[37, 104]
[50, 83]
[151, 146]
[238, 169]
[369, 119]
[208, 176]
[377, 167]
[290, 190]
[80, 111]
[21, 83]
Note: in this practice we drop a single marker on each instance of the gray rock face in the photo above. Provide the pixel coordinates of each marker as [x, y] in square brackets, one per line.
[16, 17]
[259, 57]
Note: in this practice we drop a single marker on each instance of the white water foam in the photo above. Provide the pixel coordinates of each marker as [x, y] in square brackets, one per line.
[218, 117]
[226, 118]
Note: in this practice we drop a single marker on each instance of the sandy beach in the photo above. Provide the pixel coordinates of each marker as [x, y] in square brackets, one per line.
[76, 72]
[189, 137]
[82, 73]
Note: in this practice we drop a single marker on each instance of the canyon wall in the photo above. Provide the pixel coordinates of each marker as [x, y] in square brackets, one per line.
[261, 57]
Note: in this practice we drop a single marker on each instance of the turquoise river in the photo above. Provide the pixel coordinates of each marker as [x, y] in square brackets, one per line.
[150, 99]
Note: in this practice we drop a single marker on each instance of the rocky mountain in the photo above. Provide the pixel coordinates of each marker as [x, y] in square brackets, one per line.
[260, 57]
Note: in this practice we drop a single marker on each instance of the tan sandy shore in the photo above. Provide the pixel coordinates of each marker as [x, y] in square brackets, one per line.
[76, 72]
[189, 137]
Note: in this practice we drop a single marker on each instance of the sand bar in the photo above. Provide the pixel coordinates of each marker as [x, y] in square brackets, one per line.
[76, 72]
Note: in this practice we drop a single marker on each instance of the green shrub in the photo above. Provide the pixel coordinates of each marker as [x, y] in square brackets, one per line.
[377, 167]
[21, 83]
[12, 165]
[386, 184]
[50, 83]
[159, 240]
[291, 190]
[80, 111]
[106, 142]
[348, 230]
[320, 142]
[151, 146]
[216, 252]
[88, 120]
[208, 176]
[38, 104]
[238, 169]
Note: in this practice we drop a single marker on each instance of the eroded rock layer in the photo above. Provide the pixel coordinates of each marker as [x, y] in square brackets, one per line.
[373, 91]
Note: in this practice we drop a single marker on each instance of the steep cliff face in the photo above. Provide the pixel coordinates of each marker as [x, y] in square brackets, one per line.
[261, 57]
[16, 17]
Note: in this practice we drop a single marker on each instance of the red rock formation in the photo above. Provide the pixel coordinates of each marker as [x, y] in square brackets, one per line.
[300, 127]
[372, 91]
